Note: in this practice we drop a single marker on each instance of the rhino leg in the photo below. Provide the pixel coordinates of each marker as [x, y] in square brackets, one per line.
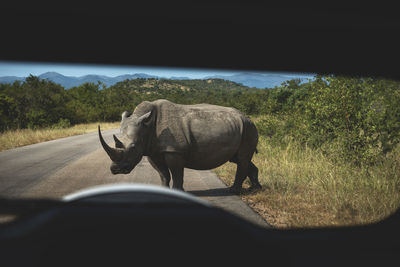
[175, 163]
[161, 167]
[253, 175]
[245, 168]
[241, 174]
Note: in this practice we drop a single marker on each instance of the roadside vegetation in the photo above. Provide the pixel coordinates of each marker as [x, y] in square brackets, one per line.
[22, 137]
[328, 149]
[307, 187]
[329, 153]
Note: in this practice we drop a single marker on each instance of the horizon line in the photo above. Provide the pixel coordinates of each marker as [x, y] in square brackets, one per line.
[173, 76]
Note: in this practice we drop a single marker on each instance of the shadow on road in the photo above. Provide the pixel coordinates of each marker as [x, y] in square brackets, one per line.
[214, 192]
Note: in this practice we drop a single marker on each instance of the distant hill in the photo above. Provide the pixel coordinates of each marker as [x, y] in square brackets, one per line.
[257, 80]
[164, 85]
[10, 79]
[71, 81]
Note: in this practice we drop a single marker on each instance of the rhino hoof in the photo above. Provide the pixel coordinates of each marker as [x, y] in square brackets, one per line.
[255, 188]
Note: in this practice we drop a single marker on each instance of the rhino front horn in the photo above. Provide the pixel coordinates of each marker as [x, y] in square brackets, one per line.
[114, 153]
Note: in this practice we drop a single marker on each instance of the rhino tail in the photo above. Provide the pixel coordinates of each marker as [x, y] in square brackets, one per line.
[256, 151]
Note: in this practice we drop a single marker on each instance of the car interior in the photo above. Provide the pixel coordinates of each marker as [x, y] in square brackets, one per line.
[154, 228]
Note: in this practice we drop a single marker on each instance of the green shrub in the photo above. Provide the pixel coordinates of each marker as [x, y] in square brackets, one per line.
[62, 124]
[267, 125]
[360, 114]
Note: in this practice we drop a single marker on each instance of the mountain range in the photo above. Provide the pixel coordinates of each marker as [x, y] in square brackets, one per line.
[257, 80]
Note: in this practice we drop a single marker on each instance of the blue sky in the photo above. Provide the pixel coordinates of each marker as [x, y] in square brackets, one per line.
[23, 69]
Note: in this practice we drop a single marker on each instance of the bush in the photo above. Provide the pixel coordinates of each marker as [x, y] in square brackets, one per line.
[62, 124]
[36, 119]
[349, 118]
[267, 125]
[359, 114]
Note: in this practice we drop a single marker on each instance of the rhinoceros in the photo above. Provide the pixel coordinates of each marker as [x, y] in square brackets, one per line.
[175, 136]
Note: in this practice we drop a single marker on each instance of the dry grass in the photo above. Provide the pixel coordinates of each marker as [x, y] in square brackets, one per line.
[16, 138]
[303, 188]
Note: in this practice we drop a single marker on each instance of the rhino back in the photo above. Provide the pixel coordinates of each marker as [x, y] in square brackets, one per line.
[208, 135]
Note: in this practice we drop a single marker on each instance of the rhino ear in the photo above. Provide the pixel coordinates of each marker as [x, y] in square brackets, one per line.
[145, 119]
[125, 115]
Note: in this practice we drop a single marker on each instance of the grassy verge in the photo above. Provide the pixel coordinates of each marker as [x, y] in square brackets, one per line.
[16, 138]
[302, 187]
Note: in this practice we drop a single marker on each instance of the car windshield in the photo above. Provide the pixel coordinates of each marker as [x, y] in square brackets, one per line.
[278, 149]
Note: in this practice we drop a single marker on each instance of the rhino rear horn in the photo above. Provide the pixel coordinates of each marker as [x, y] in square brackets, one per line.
[114, 154]
[118, 144]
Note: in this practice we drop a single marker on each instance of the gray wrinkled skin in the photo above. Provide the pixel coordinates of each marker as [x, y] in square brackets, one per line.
[175, 136]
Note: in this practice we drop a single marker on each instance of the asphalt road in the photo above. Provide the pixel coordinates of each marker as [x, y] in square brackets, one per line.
[56, 168]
